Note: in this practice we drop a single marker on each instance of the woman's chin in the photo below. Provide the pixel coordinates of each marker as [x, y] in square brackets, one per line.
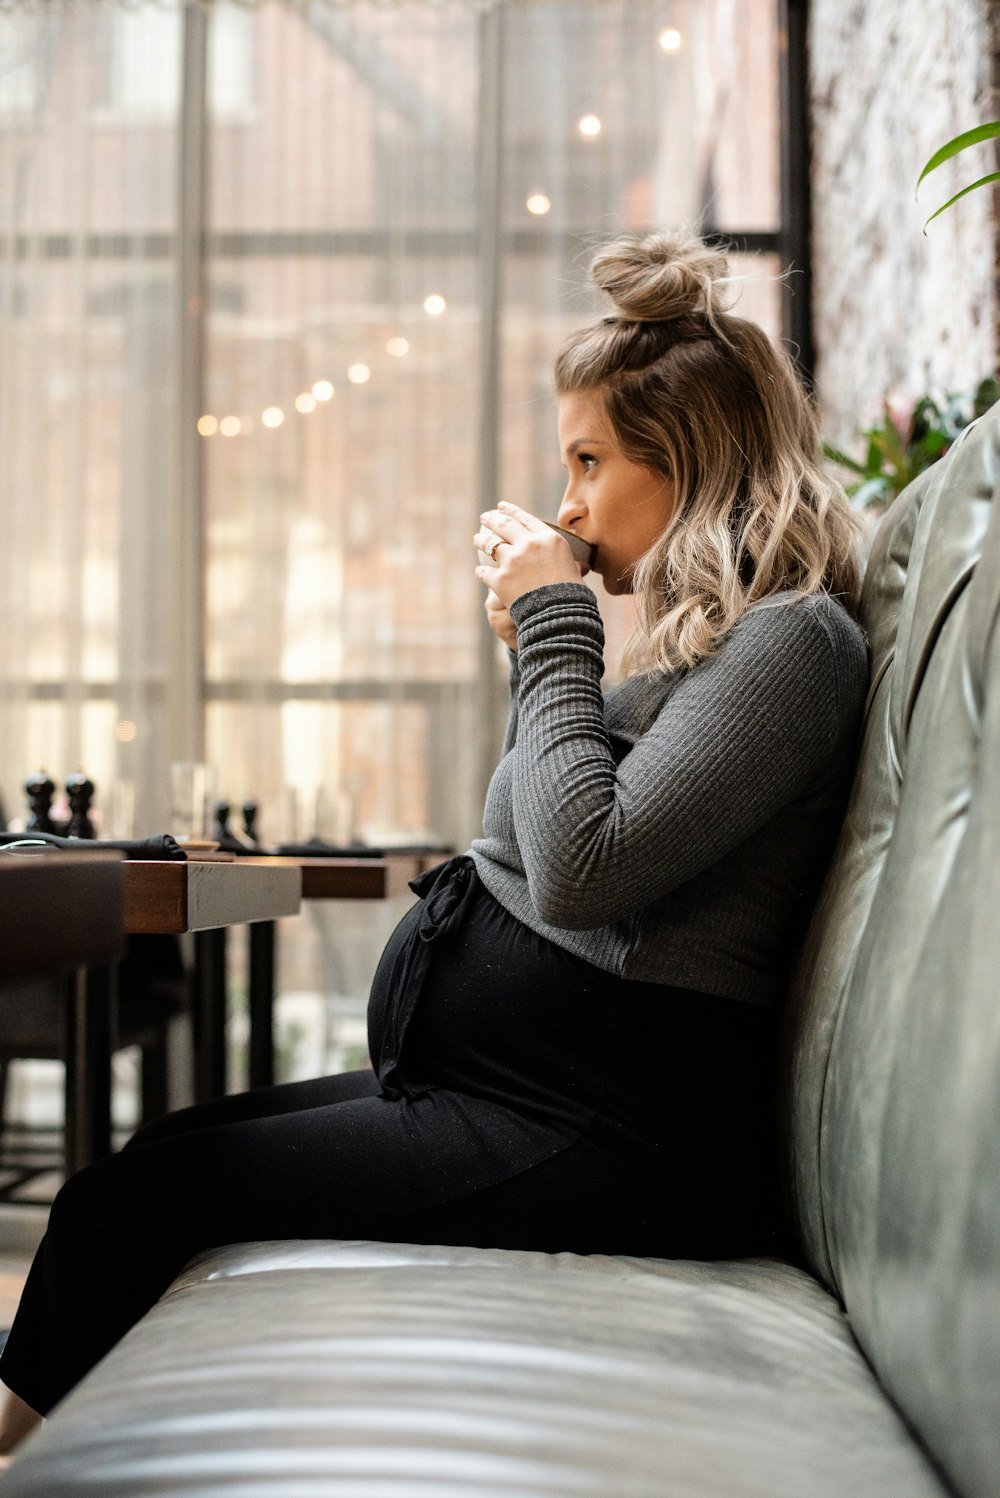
[614, 584]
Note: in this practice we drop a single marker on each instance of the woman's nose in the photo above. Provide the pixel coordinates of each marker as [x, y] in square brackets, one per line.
[571, 511]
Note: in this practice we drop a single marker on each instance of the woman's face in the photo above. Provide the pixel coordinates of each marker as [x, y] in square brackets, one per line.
[616, 505]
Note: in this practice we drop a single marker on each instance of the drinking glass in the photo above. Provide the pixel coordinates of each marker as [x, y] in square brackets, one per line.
[192, 792]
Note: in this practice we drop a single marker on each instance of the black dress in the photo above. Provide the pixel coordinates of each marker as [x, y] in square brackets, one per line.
[520, 1097]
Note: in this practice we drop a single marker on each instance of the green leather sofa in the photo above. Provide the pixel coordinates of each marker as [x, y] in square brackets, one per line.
[871, 1370]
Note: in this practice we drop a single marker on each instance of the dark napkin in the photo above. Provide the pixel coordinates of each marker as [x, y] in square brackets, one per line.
[164, 846]
[316, 848]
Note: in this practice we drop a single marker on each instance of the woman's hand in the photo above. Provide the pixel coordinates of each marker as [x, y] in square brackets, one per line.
[499, 620]
[528, 554]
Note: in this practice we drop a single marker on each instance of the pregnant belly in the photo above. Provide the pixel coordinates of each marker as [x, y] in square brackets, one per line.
[502, 1014]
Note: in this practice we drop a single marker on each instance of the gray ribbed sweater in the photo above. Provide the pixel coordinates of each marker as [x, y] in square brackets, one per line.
[674, 830]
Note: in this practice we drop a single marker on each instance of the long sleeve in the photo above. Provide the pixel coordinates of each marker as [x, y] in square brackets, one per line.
[742, 735]
[675, 829]
[510, 732]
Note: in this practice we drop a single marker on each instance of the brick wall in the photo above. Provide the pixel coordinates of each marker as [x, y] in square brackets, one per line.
[895, 310]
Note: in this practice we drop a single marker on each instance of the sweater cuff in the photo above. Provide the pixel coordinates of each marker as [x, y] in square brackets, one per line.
[556, 622]
[553, 599]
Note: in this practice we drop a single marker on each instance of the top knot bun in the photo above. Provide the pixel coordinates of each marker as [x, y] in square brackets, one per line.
[659, 277]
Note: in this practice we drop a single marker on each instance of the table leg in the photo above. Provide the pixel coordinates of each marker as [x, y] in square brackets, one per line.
[210, 1015]
[88, 1025]
[262, 942]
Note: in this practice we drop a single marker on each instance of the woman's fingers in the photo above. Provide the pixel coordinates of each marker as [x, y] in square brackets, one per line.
[512, 524]
[509, 521]
[500, 621]
[486, 540]
[525, 553]
[523, 517]
[497, 524]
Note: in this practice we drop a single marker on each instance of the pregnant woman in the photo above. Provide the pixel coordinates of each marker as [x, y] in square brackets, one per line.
[572, 1031]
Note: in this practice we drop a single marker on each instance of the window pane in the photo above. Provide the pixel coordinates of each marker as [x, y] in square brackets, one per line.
[344, 339]
[718, 152]
[339, 524]
[86, 336]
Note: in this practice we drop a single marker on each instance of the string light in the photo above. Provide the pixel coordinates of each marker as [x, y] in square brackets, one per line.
[538, 203]
[670, 39]
[306, 401]
[590, 126]
[434, 304]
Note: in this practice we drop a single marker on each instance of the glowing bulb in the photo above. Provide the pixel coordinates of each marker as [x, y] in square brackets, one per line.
[434, 304]
[229, 426]
[359, 374]
[305, 403]
[323, 390]
[273, 416]
[590, 126]
[397, 347]
[125, 731]
[207, 426]
[538, 202]
[670, 39]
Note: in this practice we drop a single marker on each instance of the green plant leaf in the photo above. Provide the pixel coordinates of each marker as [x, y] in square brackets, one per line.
[876, 450]
[895, 457]
[931, 445]
[959, 143]
[926, 409]
[836, 455]
[894, 453]
[987, 393]
[982, 182]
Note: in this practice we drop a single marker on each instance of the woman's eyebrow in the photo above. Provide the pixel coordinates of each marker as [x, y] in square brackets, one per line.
[575, 446]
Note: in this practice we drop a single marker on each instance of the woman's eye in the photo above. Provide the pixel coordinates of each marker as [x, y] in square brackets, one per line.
[587, 461]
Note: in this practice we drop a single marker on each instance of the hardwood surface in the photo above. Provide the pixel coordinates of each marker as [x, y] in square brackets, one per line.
[170, 898]
[354, 878]
[58, 910]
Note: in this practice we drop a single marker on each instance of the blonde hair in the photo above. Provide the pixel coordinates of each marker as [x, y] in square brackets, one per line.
[705, 400]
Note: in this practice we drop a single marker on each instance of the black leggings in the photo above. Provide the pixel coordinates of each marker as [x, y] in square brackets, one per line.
[347, 1157]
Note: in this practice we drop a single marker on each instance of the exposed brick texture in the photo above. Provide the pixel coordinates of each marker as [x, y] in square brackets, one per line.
[895, 310]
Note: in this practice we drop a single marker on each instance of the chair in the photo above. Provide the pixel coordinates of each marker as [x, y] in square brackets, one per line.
[153, 988]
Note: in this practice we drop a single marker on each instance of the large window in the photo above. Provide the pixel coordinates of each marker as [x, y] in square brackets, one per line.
[281, 289]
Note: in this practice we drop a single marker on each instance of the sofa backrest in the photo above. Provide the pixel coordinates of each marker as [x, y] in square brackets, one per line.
[892, 1040]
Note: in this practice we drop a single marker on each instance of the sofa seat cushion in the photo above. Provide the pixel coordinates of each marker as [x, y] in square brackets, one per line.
[280, 1370]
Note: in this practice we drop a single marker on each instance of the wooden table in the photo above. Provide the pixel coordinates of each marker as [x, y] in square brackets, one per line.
[205, 898]
[355, 878]
[59, 910]
[71, 910]
[322, 879]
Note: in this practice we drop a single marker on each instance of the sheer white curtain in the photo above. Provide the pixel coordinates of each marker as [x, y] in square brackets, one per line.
[87, 198]
[281, 286]
[280, 289]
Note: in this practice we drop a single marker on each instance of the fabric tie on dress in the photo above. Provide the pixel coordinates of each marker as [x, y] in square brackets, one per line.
[447, 892]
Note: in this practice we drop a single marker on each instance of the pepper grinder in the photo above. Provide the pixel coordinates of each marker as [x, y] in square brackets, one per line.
[80, 791]
[40, 789]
